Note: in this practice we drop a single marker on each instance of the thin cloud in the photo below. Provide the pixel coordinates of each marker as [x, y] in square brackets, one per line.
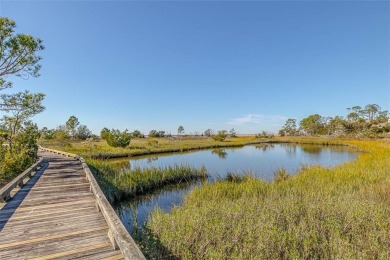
[256, 119]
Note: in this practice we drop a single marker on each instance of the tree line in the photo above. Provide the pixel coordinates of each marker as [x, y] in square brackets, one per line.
[369, 121]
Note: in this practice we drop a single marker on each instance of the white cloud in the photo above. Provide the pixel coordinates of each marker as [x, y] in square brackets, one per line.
[258, 120]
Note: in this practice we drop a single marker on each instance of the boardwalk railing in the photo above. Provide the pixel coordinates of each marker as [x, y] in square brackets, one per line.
[5, 192]
[118, 235]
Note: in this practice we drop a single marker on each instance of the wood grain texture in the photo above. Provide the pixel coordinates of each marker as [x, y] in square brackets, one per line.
[54, 215]
[118, 235]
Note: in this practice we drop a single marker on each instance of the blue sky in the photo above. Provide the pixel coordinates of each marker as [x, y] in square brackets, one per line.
[209, 64]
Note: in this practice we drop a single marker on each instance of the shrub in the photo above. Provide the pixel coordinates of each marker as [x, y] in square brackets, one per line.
[220, 136]
[116, 138]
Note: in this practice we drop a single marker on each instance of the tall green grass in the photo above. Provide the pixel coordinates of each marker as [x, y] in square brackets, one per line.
[320, 213]
[120, 181]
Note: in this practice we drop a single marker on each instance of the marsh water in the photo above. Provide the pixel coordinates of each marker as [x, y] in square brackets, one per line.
[261, 160]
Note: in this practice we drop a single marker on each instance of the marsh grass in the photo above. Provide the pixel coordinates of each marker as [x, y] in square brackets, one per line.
[118, 182]
[144, 146]
[320, 213]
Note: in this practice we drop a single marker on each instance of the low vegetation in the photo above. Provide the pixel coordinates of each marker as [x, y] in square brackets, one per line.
[99, 149]
[320, 213]
[118, 182]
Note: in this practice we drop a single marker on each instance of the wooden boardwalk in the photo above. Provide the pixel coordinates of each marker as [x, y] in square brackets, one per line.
[54, 216]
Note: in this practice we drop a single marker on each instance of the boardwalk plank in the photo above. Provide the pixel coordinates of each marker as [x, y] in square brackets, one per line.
[54, 215]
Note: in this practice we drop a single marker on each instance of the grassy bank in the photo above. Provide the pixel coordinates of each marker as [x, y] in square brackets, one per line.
[144, 146]
[117, 182]
[337, 213]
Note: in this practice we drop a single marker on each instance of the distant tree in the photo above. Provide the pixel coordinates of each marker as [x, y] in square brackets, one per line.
[116, 138]
[155, 133]
[383, 117]
[264, 134]
[371, 111]
[312, 125]
[82, 132]
[220, 136]
[46, 133]
[137, 134]
[25, 141]
[208, 132]
[289, 128]
[104, 133]
[180, 130]
[22, 106]
[355, 113]
[71, 125]
[336, 126]
[17, 53]
[233, 133]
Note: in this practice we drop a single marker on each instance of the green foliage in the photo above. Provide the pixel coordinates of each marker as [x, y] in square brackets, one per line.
[104, 133]
[61, 137]
[155, 133]
[180, 130]
[17, 53]
[116, 138]
[18, 135]
[312, 125]
[370, 121]
[289, 128]
[12, 164]
[71, 125]
[82, 133]
[220, 136]
[137, 134]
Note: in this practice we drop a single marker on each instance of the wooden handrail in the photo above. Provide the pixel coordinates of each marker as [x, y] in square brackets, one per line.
[5, 192]
[119, 236]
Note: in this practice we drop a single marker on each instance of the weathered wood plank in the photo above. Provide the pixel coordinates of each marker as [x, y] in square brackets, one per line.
[41, 239]
[56, 246]
[54, 215]
[50, 206]
[76, 252]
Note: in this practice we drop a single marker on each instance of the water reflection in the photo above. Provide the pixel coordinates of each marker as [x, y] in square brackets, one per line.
[312, 149]
[264, 147]
[135, 211]
[222, 154]
[152, 159]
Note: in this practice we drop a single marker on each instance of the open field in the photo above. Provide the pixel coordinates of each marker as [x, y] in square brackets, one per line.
[320, 213]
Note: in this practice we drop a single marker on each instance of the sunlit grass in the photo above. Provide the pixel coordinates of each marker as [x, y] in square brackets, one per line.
[118, 182]
[143, 146]
[332, 213]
